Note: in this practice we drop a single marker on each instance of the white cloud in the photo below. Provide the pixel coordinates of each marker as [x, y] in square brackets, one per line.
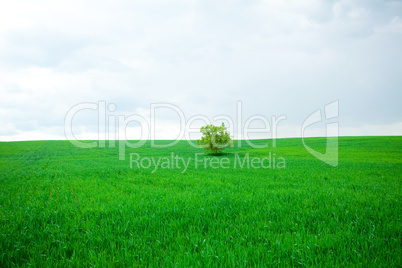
[277, 57]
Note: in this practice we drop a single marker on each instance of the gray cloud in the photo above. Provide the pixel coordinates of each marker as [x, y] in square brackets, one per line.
[42, 48]
[203, 56]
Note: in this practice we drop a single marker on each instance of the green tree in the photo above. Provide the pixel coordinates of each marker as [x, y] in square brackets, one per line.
[215, 139]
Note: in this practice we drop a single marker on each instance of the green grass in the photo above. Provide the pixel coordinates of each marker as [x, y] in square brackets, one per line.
[65, 206]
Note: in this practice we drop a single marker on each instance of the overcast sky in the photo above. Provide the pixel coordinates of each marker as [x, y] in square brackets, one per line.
[276, 57]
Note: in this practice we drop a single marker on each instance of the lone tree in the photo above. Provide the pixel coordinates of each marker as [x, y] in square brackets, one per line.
[215, 139]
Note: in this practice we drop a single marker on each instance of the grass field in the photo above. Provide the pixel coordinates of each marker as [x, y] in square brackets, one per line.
[65, 206]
